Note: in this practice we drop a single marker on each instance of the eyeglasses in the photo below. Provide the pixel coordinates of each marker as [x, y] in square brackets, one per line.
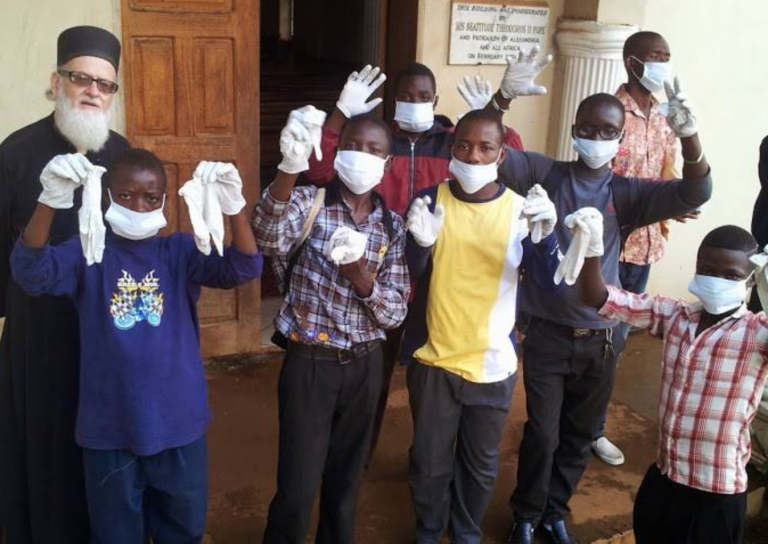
[606, 132]
[81, 79]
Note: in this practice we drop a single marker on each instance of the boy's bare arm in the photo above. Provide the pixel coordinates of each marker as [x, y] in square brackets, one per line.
[592, 288]
[242, 235]
[39, 227]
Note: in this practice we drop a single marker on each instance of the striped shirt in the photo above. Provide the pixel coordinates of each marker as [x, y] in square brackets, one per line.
[710, 390]
[321, 306]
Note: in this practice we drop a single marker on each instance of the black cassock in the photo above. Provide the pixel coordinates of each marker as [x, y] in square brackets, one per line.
[42, 498]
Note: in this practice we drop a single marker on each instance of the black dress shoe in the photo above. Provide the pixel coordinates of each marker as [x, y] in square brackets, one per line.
[522, 533]
[558, 533]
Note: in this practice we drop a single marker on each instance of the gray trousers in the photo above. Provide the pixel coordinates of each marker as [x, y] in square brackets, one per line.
[457, 428]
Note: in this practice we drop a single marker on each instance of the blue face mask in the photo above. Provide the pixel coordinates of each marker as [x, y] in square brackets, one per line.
[654, 75]
[134, 225]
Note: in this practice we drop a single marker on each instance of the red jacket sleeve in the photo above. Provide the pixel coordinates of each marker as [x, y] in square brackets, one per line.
[511, 138]
[321, 173]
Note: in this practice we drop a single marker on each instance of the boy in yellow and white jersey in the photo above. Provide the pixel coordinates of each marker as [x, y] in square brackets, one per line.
[468, 239]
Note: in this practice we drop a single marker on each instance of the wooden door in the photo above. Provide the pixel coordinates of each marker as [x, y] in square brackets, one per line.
[191, 80]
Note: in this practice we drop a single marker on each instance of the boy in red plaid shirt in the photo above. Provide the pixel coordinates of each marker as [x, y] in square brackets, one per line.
[714, 368]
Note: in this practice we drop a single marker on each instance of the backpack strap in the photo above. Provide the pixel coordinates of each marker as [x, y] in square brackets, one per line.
[306, 229]
[622, 203]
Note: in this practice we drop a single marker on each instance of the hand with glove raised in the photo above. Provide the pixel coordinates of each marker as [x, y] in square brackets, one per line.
[586, 225]
[519, 77]
[540, 212]
[215, 189]
[225, 178]
[300, 136]
[424, 225]
[359, 88]
[61, 177]
[476, 92]
[680, 115]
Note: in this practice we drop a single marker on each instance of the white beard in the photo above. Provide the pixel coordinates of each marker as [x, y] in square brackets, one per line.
[87, 131]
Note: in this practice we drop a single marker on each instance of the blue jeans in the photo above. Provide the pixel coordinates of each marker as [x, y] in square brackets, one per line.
[633, 278]
[164, 496]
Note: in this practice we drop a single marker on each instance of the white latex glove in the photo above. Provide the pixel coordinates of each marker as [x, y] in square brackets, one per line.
[520, 74]
[760, 262]
[346, 246]
[90, 218]
[424, 225]
[679, 111]
[215, 189]
[359, 87]
[476, 92]
[225, 179]
[61, 177]
[586, 225]
[301, 134]
[540, 213]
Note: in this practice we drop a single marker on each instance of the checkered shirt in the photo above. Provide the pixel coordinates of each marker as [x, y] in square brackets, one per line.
[321, 306]
[710, 390]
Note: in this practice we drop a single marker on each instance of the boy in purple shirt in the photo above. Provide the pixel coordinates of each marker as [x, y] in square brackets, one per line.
[142, 410]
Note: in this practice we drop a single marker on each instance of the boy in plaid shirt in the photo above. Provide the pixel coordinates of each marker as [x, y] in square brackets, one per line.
[714, 368]
[334, 316]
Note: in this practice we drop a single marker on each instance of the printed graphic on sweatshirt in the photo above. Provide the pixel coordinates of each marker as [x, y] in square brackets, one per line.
[136, 302]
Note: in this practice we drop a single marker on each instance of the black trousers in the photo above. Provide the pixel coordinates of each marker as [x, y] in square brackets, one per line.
[391, 355]
[326, 412]
[454, 460]
[568, 382]
[670, 513]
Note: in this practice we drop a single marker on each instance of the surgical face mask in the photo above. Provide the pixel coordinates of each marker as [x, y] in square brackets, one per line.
[415, 116]
[359, 171]
[596, 153]
[654, 75]
[134, 225]
[718, 295]
[473, 177]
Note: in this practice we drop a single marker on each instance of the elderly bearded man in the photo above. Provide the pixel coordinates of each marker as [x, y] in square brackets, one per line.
[41, 475]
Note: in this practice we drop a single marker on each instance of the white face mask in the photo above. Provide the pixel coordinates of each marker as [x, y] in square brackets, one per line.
[596, 153]
[473, 177]
[415, 116]
[134, 225]
[359, 171]
[718, 295]
[654, 75]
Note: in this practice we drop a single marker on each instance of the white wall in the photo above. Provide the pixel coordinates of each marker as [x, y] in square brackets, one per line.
[28, 33]
[718, 51]
[529, 116]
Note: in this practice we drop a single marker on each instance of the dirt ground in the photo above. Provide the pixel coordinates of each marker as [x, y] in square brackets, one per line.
[243, 448]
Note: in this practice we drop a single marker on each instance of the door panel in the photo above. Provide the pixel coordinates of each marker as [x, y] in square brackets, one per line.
[192, 94]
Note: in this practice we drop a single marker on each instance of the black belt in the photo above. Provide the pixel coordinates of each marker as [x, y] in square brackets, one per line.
[575, 332]
[342, 356]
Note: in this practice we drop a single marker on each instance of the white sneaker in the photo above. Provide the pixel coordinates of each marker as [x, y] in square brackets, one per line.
[607, 451]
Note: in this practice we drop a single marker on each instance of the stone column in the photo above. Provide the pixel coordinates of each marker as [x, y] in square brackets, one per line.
[589, 61]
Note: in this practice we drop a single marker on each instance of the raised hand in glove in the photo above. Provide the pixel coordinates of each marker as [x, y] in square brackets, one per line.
[360, 87]
[680, 115]
[424, 225]
[521, 72]
[540, 212]
[299, 137]
[586, 225]
[476, 92]
[61, 177]
[225, 179]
